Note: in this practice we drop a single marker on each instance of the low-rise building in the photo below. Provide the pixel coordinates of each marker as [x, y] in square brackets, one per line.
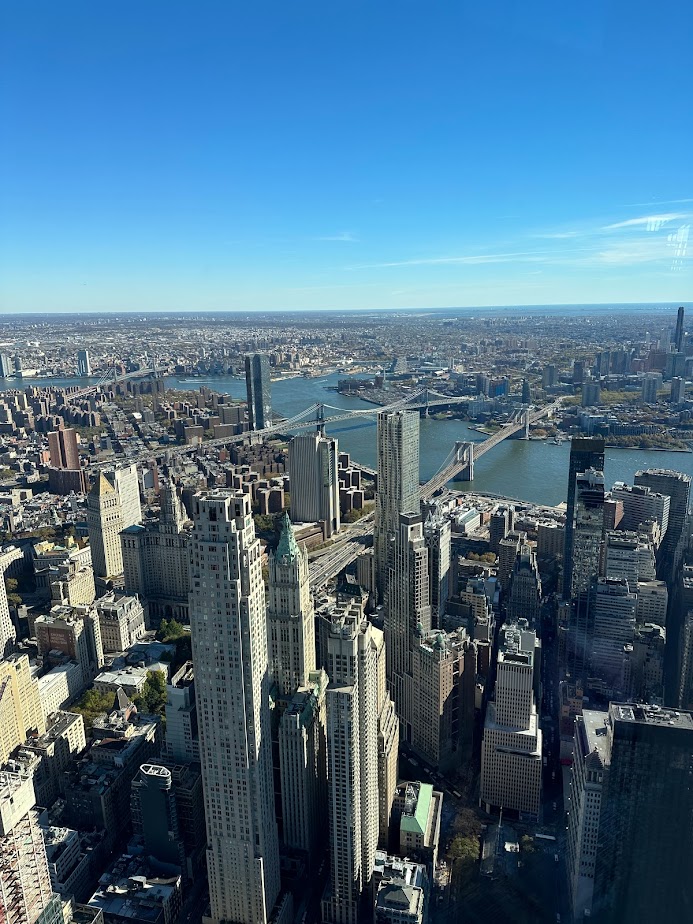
[418, 807]
[122, 621]
[134, 890]
[400, 890]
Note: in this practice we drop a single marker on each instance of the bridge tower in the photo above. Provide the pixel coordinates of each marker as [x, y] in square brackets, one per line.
[320, 419]
[464, 452]
[526, 422]
[424, 411]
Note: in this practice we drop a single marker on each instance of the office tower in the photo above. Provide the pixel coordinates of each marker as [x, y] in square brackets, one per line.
[585, 799]
[437, 531]
[7, 630]
[83, 362]
[524, 593]
[156, 559]
[353, 647]
[549, 376]
[651, 383]
[314, 481]
[507, 555]
[26, 896]
[182, 734]
[500, 524]
[678, 336]
[647, 664]
[127, 484]
[587, 552]
[409, 610]
[6, 366]
[105, 521]
[645, 836]
[258, 389]
[578, 371]
[584, 453]
[444, 678]
[512, 744]
[591, 394]
[303, 767]
[229, 643]
[63, 449]
[640, 505]
[653, 600]
[612, 628]
[397, 485]
[621, 558]
[290, 616]
[677, 486]
[155, 816]
[21, 714]
[678, 390]
[681, 604]
[526, 392]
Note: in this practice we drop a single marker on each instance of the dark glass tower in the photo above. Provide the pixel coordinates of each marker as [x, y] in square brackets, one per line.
[678, 337]
[257, 382]
[584, 453]
[645, 830]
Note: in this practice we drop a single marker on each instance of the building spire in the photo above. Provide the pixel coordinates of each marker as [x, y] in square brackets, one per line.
[287, 547]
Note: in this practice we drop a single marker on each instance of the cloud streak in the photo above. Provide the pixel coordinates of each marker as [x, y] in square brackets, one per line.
[651, 222]
[344, 237]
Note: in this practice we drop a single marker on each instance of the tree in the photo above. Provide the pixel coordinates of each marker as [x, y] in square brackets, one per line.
[91, 705]
[152, 699]
[11, 585]
[464, 848]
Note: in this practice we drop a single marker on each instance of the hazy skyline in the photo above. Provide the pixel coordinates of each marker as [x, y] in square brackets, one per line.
[175, 158]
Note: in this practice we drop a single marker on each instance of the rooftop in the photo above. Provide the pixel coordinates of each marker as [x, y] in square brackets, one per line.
[417, 803]
[650, 715]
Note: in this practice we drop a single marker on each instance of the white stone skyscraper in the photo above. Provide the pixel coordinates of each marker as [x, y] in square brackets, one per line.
[229, 643]
[354, 650]
[314, 480]
[398, 484]
[290, 616]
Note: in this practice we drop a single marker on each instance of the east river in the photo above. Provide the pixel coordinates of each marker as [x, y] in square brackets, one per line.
[531, 470]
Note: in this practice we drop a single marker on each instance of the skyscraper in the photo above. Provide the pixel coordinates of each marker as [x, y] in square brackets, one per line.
[26, 896]
[512, 743]
[303, 767]
[669, 560]
[229, 642]
[7, 630]
[105, 522]
[83, 362]
[258, 389]
[587, 551]
[63, 449]
[678, 487]
[584, 453]
[612, 628]
[290, 616]
[354, 648]
[678, 336]
[314, 480]
[645, 831]
[408, 614]
[398, 484]
[437, 532]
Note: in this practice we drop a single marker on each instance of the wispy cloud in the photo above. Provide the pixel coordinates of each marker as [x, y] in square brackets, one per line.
[656, 203]
[525, 256]
[345, 237]
[651, 222]
[558, 235]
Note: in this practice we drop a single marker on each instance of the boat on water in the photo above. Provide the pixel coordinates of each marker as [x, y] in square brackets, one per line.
[557, 441]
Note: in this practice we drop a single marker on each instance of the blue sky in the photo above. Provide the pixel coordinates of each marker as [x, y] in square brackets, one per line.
[299, 155]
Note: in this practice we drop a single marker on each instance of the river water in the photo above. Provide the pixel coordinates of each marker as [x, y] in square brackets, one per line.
[531, 470]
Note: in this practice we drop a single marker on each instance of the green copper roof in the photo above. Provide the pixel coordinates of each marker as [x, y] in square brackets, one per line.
[416, 823]
[288, 547]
